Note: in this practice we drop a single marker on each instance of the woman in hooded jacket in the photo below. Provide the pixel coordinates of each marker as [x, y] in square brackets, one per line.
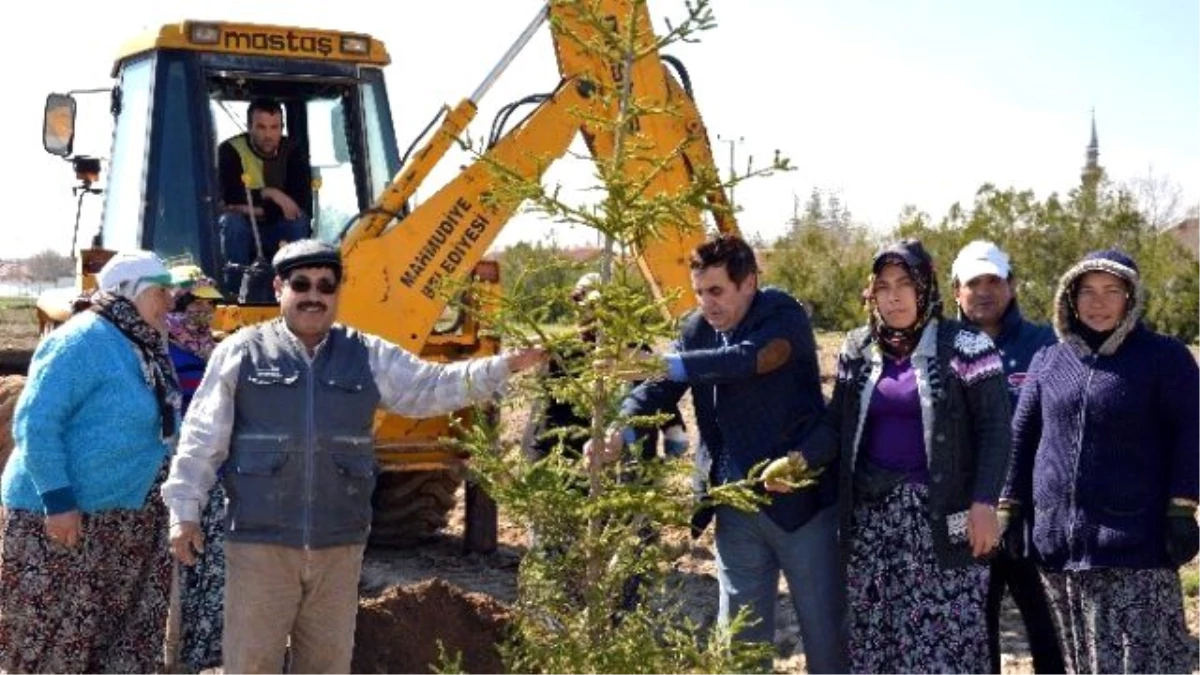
[919, 425]
[1106, 455]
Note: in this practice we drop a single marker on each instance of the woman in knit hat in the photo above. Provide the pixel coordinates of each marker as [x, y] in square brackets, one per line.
[1106, 456]
[918, 424]
[85, 566]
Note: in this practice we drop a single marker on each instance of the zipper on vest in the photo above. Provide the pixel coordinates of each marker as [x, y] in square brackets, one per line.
[262, 437]
[355, 440]
[309, 455]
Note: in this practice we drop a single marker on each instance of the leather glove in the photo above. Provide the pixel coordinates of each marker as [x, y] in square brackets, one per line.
[1183, 534]
[1012, 529]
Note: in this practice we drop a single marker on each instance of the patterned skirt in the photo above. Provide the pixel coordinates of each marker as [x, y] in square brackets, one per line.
[907, 614]
[100, 607]
[1121, 621]
[202, 591]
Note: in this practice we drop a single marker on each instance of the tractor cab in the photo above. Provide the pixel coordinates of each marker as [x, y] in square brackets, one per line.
[181, 90]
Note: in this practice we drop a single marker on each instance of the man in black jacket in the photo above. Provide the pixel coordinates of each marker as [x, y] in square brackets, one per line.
[749, 358]
[985, 291]
[278, 180]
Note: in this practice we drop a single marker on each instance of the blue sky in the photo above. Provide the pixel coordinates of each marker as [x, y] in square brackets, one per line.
[885, 104]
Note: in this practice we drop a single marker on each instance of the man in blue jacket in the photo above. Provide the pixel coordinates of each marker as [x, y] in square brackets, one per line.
[985, 290]
[749, 357]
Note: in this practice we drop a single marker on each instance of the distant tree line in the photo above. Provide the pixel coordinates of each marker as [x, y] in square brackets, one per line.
[46, 266]
[544, 274]
[824, 258]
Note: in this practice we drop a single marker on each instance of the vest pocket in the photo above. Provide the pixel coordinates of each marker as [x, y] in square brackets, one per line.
[346, 493]
[354, 466]
[256, 487]
[347, 383]
[259, 463]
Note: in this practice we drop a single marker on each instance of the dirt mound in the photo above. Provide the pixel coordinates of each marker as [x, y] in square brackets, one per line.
[10, 390]
[398, 631]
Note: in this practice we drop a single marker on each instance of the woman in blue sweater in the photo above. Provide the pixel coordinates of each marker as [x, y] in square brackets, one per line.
[1106, 453]
[85, 568]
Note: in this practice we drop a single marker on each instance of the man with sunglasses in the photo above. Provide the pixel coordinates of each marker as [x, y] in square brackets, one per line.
[288, 406]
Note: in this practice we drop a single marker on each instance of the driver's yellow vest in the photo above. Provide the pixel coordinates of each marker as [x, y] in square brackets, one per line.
[252, 164]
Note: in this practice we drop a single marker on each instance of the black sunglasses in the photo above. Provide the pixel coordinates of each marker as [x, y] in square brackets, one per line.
[302, 284]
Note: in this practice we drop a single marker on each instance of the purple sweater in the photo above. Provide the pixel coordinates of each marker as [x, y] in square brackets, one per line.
[893, 436]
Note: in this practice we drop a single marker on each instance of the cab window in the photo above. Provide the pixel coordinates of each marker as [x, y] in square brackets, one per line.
[123, 211]
[337, 200]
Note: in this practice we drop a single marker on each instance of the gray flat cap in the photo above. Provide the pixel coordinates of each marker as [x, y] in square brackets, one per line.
[307, 253]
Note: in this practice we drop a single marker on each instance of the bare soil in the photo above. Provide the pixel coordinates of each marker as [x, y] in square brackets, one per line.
[18, 335]
[420, 627]
[10, 390]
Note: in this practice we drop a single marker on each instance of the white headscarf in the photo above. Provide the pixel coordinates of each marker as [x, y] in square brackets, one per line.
[129, 273]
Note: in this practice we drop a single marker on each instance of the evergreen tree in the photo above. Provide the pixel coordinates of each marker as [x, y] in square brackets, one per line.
[596, 590]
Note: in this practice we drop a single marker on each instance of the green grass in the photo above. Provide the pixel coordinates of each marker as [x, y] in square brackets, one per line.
[1190, 578]
[18, 323]
[17, 303]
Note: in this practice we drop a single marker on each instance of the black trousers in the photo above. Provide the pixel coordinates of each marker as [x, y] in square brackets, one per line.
[1021, 578]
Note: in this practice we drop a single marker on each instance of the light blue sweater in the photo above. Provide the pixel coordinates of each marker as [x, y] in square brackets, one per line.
[86, 426]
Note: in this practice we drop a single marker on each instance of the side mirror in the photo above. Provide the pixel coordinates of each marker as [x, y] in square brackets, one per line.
[58, 125]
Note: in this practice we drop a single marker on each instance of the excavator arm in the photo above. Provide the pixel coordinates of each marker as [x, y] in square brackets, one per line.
[393, 274]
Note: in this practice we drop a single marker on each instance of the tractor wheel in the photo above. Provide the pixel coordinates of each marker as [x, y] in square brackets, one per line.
[411, 506]
[10, 389]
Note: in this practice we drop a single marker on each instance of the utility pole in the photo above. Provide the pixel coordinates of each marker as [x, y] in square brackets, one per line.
[732, 174]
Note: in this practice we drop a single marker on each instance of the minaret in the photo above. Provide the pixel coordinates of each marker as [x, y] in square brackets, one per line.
[1092, 171]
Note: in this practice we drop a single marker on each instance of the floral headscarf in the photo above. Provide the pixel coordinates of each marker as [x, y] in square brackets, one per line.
[911, 255]
[192, 330]
[190, 325]
[123, 278]
[151, 351]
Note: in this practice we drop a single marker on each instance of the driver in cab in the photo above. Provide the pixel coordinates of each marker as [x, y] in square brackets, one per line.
[277, 189]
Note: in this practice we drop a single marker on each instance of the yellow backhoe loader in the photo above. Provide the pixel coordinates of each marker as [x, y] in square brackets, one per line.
[180, 90]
